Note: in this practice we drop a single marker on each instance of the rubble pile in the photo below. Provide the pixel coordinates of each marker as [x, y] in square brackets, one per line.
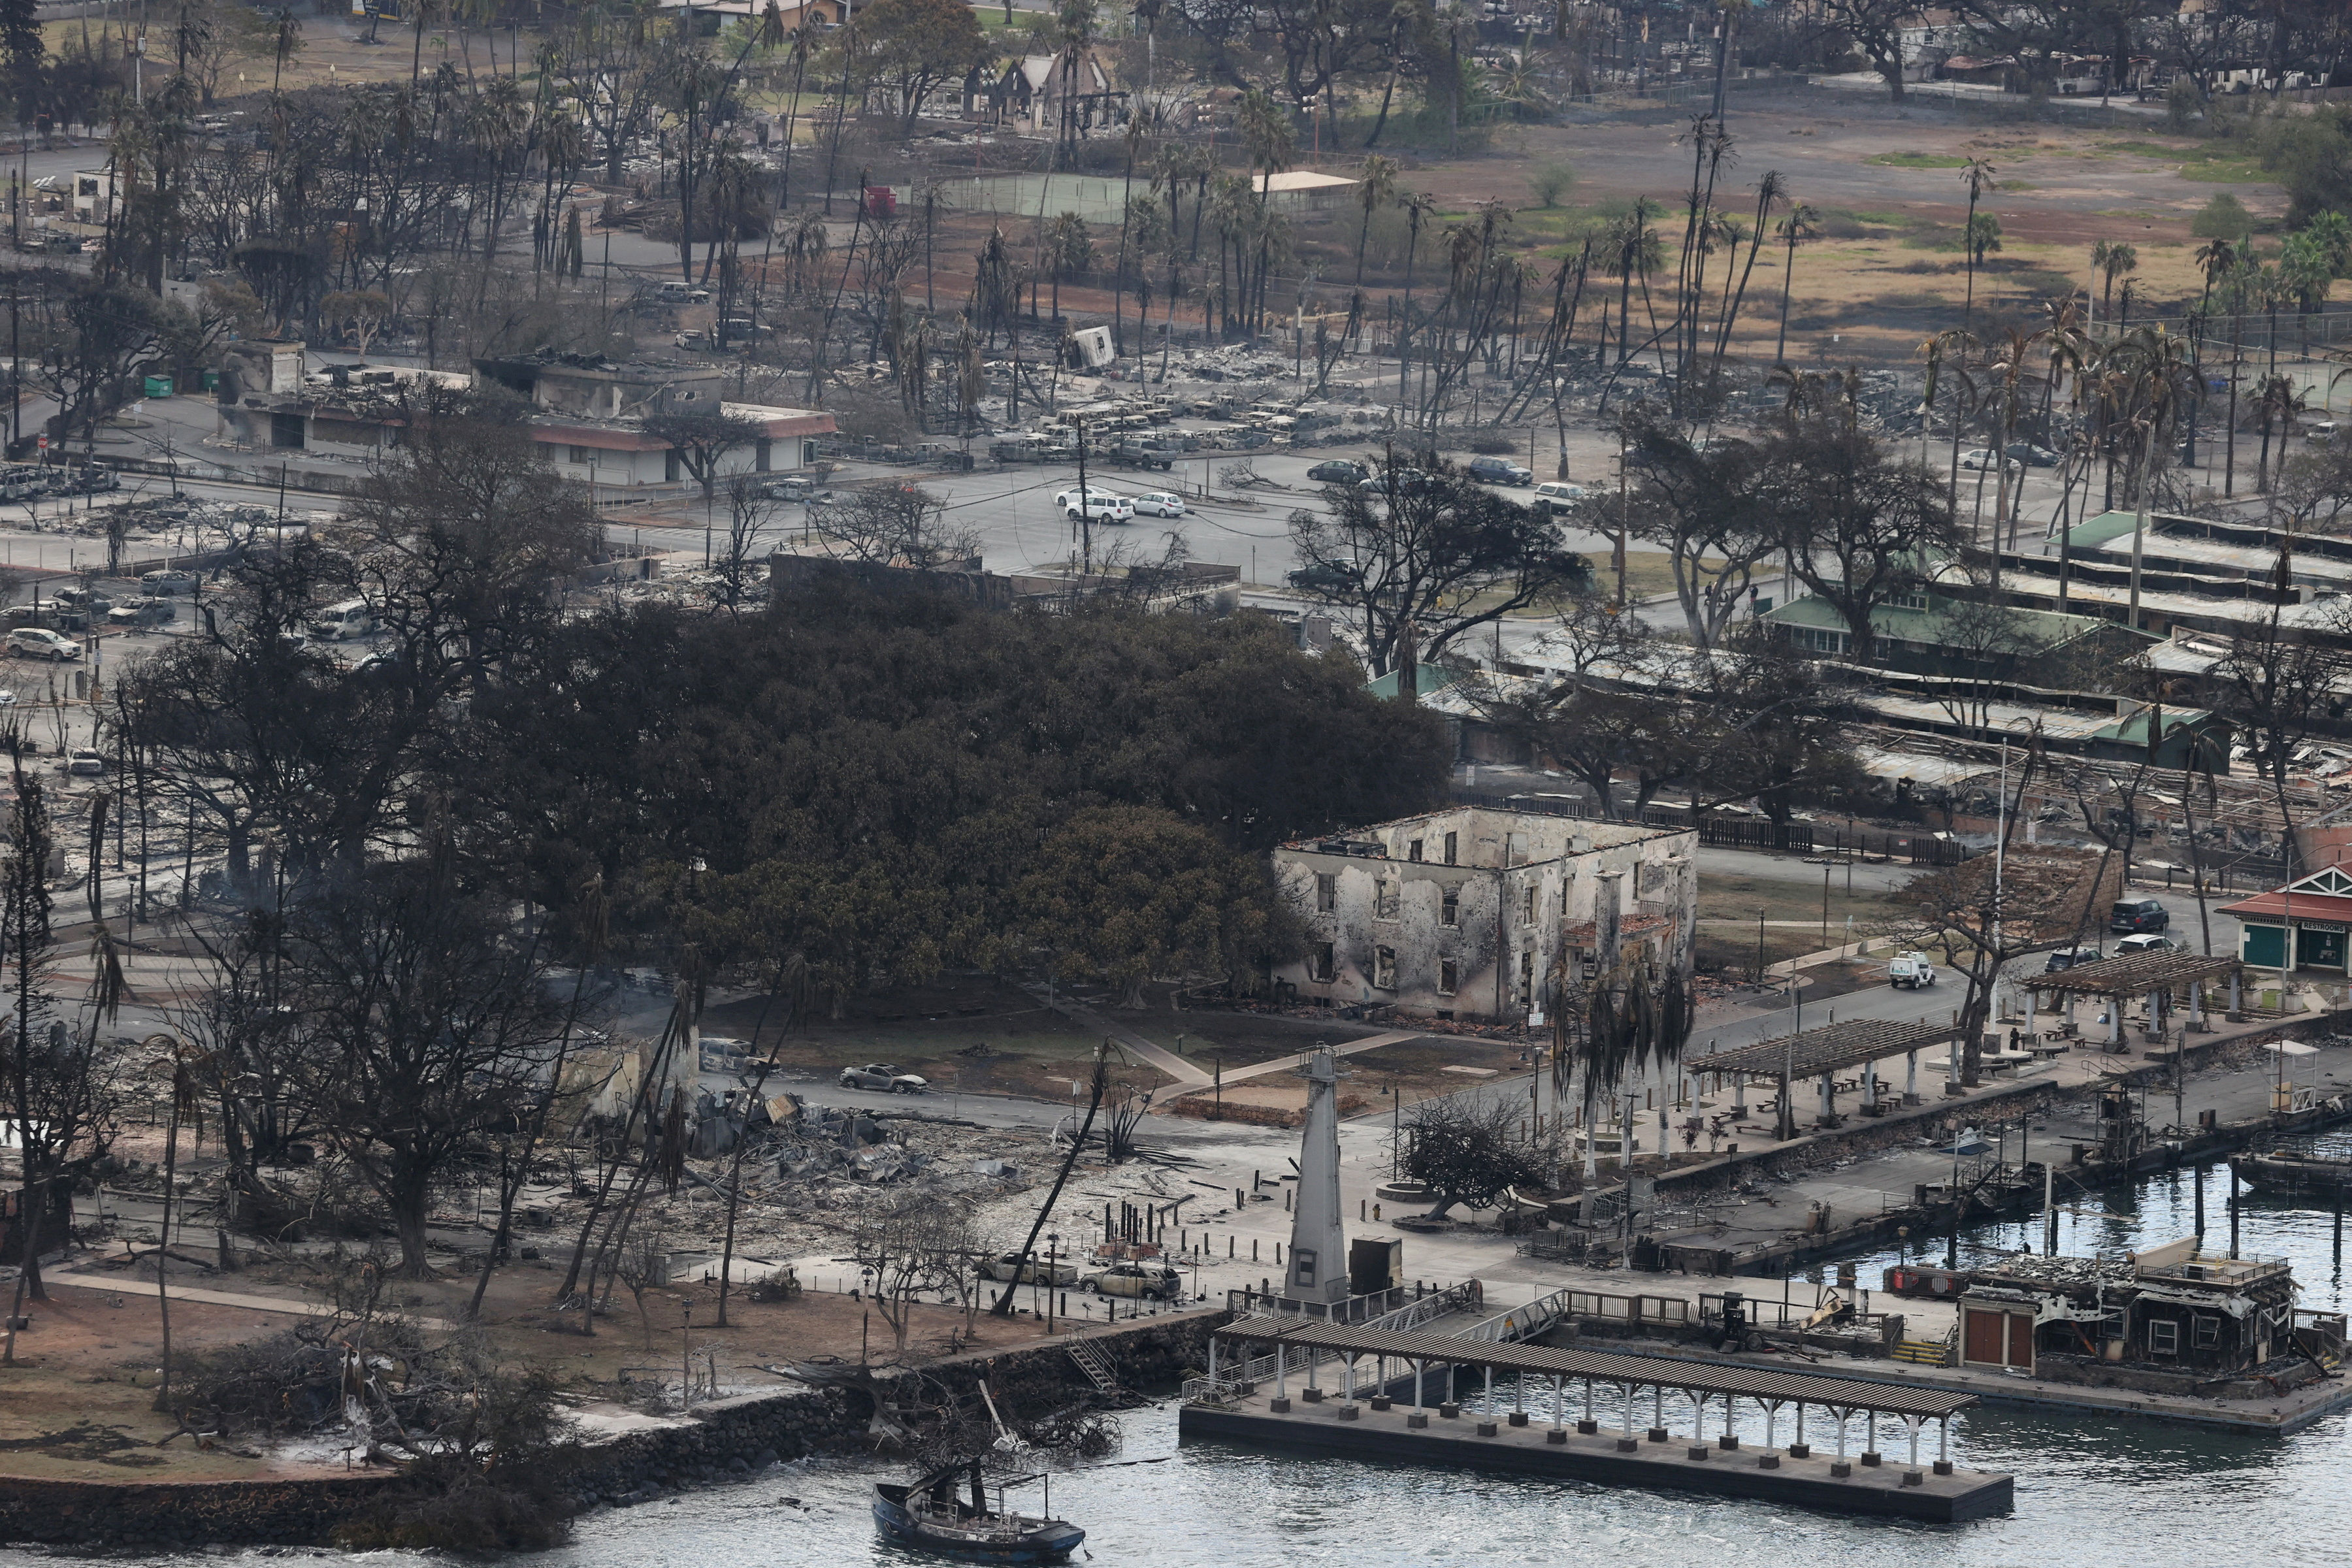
[2063, 1273]
[808, 1178]
[179, 525]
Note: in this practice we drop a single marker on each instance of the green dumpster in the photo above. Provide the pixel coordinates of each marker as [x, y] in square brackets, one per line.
[158, 387]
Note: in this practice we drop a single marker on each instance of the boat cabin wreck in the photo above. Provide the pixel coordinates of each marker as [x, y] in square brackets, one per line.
[2173, 1307]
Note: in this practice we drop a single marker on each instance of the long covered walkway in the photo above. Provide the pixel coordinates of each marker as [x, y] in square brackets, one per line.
[1613, 1384]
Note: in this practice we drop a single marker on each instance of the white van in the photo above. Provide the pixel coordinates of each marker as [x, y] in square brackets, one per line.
[351, 618]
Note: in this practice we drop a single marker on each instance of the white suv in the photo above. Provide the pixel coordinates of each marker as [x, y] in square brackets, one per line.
[1557, 495]
[40, 642]
[1099, 506]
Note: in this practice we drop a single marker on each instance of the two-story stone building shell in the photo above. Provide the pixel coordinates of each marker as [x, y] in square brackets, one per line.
[1471, 912]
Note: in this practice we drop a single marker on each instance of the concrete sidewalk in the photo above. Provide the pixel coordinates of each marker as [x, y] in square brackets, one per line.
[126, 1287]
[1290, 1063]
[1185, 1073]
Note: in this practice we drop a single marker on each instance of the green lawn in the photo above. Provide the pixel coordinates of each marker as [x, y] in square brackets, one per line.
[1725, 897]
[2226, 170]
[1918, 160]
[1720, 952]
[1728, 906]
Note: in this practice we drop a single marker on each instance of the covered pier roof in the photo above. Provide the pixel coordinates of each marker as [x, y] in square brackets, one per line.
[2132, 972]
[1602, 1366]
[1825, 1049]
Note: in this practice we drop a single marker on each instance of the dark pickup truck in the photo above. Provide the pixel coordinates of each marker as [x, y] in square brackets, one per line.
[1141, 454]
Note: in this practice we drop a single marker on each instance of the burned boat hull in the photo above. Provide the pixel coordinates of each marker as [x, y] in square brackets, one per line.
[901, 1514]
[2296, 1175]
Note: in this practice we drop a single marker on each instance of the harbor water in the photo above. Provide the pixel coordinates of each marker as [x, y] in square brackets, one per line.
[2109, 1493]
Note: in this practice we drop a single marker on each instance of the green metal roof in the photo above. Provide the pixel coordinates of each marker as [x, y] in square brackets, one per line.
[2099, 530]
[1908, 624]
[1428, 680]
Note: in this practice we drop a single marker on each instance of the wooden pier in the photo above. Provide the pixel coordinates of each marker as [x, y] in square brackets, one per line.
[1605, 1445]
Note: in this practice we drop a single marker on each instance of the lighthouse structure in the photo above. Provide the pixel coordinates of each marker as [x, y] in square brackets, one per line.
[1318, 1238]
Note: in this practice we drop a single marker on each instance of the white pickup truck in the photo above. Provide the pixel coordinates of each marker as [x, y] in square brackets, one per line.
[1910, 971]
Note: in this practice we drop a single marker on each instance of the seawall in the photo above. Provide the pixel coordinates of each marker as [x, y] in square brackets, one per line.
[717, 1441]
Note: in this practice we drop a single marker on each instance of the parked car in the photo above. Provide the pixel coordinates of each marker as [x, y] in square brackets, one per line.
[7, 698]
[2067, 958]
[1981, 457]
[1909, 971]
[1029, 1270]
[792, 487]
[141, 613]
[348, 618]
[1411, 481]
[883, 1075]
[1557, 495]
[2138, 915]
[170, 580]
[1158, 503]
[1339, 471]
[1156, 1281]
[40, 642]
[2149, 944]
[1500, 471]
[2034, 456]
[86, 763]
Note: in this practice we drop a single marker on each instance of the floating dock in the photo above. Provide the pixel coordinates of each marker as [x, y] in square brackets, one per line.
[1254, 1402]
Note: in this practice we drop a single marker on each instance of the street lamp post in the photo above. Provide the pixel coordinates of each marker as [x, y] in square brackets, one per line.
[1396, 1130]
[1787, 1129]
[686, 1353]
[867, 1322]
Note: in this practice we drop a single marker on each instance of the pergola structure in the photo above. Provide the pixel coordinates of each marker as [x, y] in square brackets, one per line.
[2155, 975]
[1824, 1052]
[1301, 1345]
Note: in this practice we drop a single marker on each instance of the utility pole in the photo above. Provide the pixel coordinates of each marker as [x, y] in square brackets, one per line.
[1086, 503]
